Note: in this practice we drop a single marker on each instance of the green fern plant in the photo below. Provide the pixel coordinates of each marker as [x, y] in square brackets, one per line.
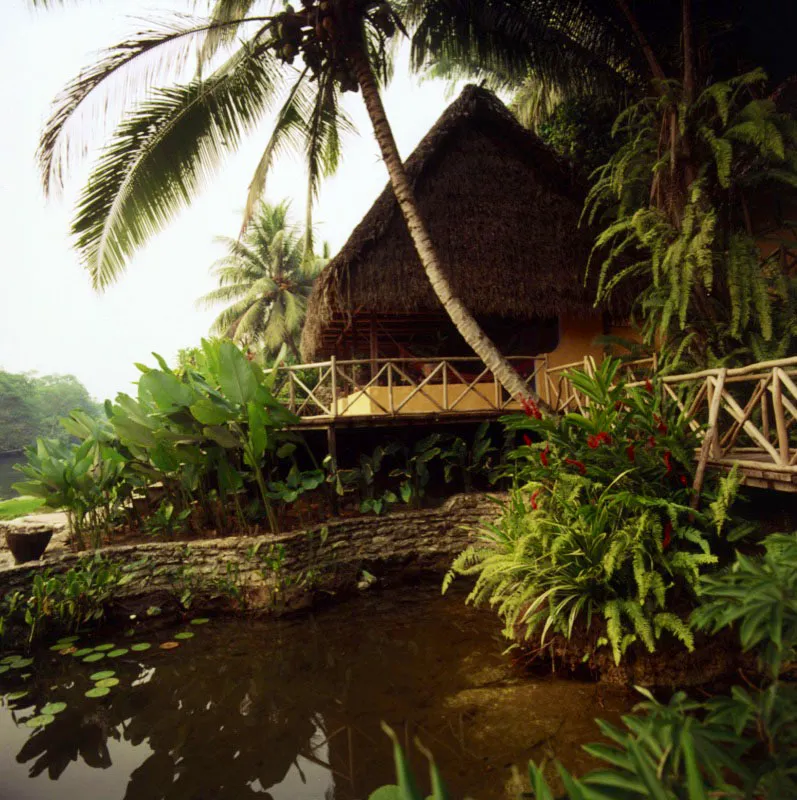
[674, 202]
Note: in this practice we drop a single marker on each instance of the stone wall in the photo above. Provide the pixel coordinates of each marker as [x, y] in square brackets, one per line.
[328, 555]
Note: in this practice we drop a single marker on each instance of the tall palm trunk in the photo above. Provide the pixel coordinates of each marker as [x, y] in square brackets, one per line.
[463, 320]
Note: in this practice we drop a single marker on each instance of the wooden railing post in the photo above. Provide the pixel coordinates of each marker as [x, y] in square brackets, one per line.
[714, 411]
[780, 418]
[334, 371]
[390, 401]
[445, 385]
[291, 390]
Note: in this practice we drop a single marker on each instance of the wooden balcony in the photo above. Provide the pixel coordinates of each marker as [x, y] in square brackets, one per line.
[383, 389]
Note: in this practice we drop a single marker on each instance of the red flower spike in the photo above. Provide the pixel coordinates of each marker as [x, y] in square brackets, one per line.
[648, 386]
[651, 441]
[533, 501]
[527, 440]
[683, 480]
[668, 461]
[529, 407]
[665, 542]
[544, 455]
[593, 441]
[661, 425]
[629, 451]
[581, 468]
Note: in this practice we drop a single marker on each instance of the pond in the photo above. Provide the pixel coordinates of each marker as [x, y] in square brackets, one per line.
[290, 709]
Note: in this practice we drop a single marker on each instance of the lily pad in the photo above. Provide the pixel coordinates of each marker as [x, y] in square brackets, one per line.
[4, 668]
[22, 663]
[53, 708]
[107, 683]
[67, 640]
[84, 651]
[184, 635]
[40, 721]
[101, 676]
[93, 657]
[121, 651]
[16, 695]
[199, 621]
[98, 691]
[57, 648]
[140, 647]
[169, 645]
[102, 647]
[10, 659]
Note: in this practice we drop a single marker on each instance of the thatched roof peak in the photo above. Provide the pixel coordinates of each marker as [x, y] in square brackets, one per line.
[502, 209]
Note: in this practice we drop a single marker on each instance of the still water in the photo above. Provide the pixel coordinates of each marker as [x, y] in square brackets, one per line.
[291, 709]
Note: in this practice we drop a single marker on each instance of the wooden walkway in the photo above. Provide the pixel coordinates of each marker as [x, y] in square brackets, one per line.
[745, 416]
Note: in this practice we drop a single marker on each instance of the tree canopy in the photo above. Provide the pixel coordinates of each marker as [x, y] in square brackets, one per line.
[31, 406]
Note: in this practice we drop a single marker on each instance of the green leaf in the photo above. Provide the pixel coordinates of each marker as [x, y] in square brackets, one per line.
[53, 708]
[211, 412]
[165, 389]
[236, 376]
[41, 721]
[100, 676]
[222, 436]
[98, 691]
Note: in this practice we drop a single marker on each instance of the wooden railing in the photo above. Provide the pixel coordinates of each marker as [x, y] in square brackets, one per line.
[560, 393]
[330, 389]
[747, 417]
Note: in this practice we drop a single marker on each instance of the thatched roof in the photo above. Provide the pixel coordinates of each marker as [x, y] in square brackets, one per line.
[503, 211]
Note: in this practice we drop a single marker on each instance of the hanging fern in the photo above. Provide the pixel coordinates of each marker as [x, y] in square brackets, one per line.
[673, 201]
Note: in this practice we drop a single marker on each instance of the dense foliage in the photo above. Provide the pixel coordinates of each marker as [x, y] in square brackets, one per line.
[31, 406]
[683, 225]
[599, 538]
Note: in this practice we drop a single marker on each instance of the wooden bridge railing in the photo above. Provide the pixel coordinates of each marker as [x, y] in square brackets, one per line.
[748, 415]
[330, 389]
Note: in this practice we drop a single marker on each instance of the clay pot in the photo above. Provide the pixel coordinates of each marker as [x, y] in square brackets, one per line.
[28, 545]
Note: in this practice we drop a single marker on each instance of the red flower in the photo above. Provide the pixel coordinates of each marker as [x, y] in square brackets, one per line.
[533, 501]
[648, 386]
[595, 440]
[581, 468]
[651, 441]
[683, 480]
[665, 543]
[668, 461]
[661, 425]
[529, 407]
[527, 440]
[544, 454]
[629, 451]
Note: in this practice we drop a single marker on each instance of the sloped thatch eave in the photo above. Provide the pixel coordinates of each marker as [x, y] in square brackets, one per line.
[503, 212]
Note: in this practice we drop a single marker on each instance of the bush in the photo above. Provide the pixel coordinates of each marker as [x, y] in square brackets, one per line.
[599, 525]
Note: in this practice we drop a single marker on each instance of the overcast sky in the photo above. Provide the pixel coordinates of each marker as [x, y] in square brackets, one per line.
[51, 321]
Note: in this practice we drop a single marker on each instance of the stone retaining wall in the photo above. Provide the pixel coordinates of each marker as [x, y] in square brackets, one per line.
[326, 555]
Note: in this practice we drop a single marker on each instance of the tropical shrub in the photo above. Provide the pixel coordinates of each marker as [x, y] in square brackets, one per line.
[598, 536]
[87, 480]
[63, 602]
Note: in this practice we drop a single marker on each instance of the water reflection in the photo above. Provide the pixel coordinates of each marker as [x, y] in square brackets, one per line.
[291, 710]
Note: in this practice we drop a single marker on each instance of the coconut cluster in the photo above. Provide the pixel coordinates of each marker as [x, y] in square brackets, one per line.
[318, 34]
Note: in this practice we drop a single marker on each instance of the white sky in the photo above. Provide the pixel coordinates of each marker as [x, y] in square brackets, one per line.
[51, 321]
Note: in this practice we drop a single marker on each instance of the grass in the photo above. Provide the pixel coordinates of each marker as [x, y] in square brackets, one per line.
[19, 507]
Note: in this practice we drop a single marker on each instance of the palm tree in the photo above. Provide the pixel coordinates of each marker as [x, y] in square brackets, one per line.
[266, 279]
[163, 150]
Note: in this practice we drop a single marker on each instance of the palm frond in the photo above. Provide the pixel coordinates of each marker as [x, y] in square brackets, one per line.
[158, 54]
[226, 17]
[161, 154]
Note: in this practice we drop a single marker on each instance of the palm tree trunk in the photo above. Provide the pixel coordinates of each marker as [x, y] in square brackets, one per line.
[293, 348]
[461, 317]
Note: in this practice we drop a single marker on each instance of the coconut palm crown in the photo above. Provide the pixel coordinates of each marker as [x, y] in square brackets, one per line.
[266, 280]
